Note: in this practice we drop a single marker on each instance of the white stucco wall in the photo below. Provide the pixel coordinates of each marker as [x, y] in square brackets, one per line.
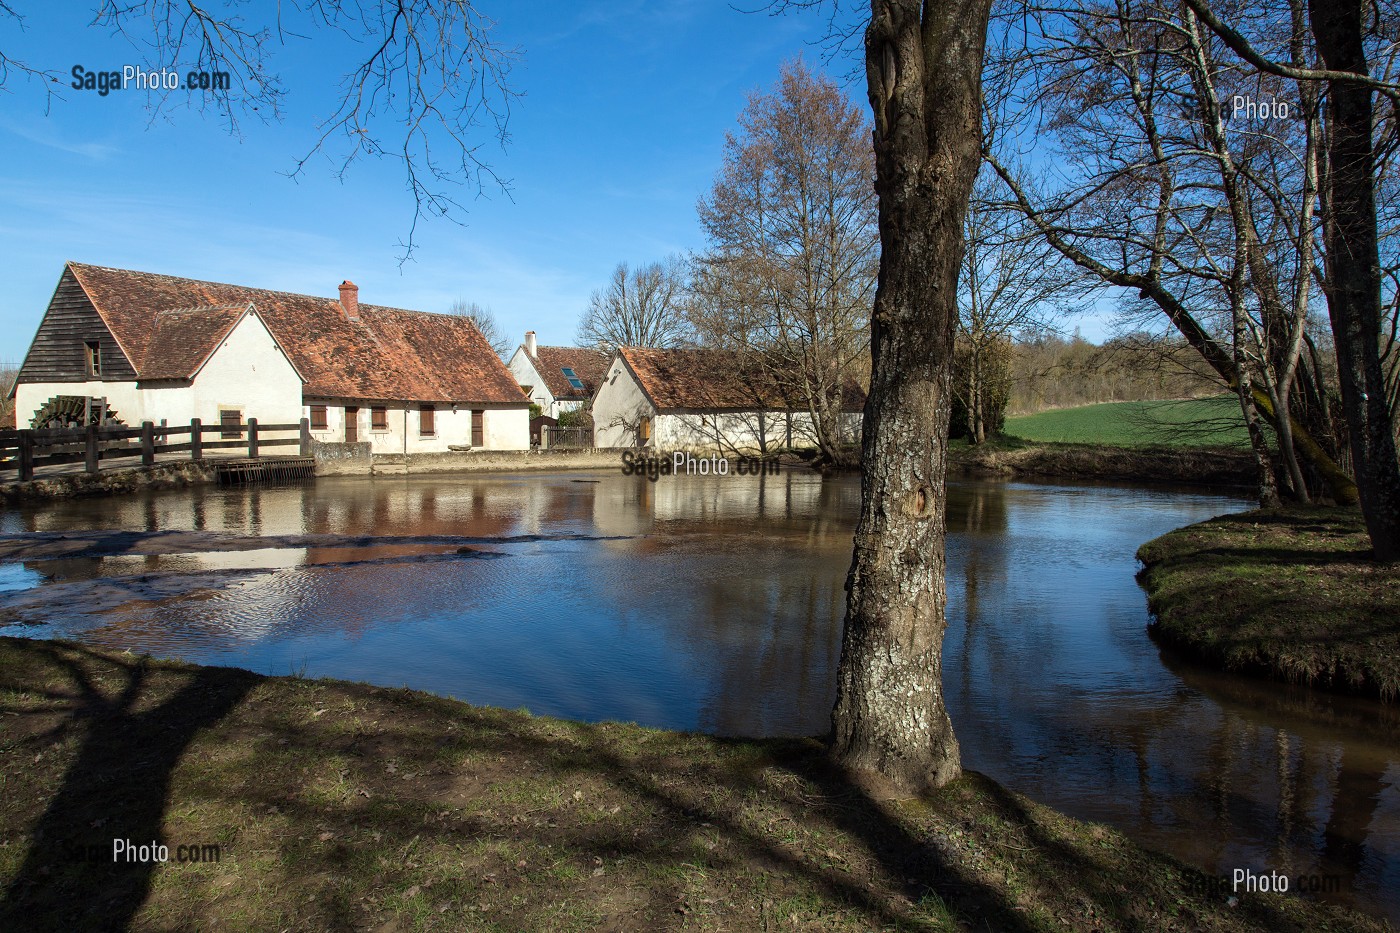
[122, 397]
[502, 428]
[247, 372]
[523, 369]
[617, 407]
[620, 404]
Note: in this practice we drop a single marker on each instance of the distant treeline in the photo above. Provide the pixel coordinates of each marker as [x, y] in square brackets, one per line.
[1059, 372]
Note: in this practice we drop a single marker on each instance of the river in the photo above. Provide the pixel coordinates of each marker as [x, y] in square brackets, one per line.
[715, 604]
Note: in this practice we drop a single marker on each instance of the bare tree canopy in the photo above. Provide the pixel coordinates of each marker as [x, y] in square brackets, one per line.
[1230, 196]
[641, 307]
[1013, 285]
[794, 246]
[424, 80]
[486, 324]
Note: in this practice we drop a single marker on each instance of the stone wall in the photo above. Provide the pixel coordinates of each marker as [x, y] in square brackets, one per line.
[506, 461]
[340, 459]
[112, 482]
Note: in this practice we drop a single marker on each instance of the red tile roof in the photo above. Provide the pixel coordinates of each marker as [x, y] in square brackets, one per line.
[589, 365]
[389, 355]
[182, 340]
[715, 380]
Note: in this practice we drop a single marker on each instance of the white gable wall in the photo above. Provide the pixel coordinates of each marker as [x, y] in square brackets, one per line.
[247, 372]
[525, 373]
[618, 407]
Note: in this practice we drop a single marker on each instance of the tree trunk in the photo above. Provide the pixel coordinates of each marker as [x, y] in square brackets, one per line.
[1353, 286]
[923, 70]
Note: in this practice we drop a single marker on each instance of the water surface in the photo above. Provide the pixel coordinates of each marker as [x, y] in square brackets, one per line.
[715, 604]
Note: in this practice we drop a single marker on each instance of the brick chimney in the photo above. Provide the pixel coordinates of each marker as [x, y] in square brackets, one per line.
[530, 342]
[350, 300]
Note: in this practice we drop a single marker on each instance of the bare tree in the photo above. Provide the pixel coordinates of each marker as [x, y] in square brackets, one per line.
[423, 82]
[486, 324]
[794, 245]
[1354, 270]
[1155, 190]
[1013, 284]
[642, 307]
[8, 373]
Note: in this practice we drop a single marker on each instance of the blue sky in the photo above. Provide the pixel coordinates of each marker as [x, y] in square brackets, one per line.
[620, 129]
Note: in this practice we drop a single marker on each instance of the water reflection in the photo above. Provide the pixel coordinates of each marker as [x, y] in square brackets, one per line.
[717, 606]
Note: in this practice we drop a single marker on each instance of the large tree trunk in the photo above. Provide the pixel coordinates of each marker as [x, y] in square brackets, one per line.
[1353, 284]
[924, 71]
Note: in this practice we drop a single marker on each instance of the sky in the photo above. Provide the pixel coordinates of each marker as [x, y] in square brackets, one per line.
[618, 131]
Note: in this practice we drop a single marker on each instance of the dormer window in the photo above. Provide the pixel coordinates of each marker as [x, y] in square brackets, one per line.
[92, 352]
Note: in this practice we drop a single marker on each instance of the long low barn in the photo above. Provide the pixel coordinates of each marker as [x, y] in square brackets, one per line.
[705, 400]
[117, 345]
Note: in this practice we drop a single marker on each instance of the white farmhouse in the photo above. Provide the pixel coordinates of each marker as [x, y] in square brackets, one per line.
[122, 346]
[558, 379]
[704, 400]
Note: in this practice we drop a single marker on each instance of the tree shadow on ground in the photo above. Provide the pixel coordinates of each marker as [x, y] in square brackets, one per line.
[355, 807]
[115, 788]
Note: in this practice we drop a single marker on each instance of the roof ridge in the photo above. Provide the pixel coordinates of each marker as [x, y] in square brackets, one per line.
[250, 288]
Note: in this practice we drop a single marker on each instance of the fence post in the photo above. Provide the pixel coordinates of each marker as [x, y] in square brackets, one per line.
[253, 438]
[148, 443]
[26, 455]
[91, 450]
[305, 437]
[196, 439]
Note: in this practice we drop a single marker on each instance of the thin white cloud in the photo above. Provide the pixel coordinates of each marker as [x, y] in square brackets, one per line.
[41, 133]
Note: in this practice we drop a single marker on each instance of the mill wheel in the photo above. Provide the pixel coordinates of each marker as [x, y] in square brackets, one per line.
[72, 411]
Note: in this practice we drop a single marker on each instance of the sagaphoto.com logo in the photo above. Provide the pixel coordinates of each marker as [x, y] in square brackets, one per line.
[141, 79]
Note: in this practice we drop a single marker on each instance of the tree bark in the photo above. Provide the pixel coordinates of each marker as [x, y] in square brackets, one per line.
[923, 71]
[1353, 286]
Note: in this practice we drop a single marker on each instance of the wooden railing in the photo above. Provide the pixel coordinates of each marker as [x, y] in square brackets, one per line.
[26, 450]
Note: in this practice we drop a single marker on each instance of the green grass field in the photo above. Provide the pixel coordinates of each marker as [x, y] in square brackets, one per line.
[1206, 422]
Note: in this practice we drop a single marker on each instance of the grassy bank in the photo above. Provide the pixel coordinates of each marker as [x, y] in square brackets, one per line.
[1013, 456]
[1202, 422]
[339, 806]
[1289, 593]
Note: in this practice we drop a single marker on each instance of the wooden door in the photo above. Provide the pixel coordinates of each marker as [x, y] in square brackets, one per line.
[352, 424]
[478, 429]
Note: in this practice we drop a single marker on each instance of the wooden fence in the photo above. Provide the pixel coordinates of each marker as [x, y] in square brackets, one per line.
[26, 450]
[553, 437]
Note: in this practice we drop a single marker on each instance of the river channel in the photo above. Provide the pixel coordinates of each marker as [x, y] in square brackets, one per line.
[715, 604]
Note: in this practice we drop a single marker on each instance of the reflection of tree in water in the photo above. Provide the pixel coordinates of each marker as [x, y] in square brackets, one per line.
[763, 631]
[775, 644]
[977, 521]
[1360, 783]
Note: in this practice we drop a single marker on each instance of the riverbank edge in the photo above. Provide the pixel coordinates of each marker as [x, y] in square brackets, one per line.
[336, 803]
[171, 475]
[1288, 594]
[1010, 456]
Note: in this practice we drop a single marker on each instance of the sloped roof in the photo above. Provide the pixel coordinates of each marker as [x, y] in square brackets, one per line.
[182, 340]
[590, 366]
[389, 354]
[715, 380]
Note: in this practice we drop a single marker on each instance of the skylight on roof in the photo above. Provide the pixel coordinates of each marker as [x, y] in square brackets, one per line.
[574, 380]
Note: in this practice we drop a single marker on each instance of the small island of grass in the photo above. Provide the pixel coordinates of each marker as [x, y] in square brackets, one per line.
[1290, 593]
